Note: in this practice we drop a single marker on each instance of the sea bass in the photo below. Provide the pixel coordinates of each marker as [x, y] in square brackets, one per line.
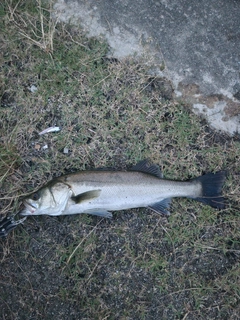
[98, 192]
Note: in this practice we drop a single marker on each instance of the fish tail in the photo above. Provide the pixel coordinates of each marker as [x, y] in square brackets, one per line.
[212, 189]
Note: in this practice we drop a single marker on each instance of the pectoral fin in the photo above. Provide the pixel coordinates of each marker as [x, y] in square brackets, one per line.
[162, 206]
[99, 212]
[86, 196]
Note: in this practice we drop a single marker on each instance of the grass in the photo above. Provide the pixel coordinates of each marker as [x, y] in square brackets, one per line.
[139, 265]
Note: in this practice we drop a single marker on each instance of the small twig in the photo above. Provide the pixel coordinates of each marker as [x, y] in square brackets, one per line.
[74, 41]
[185, 317]
[12, 11]
[174, 253]
[101, 80]
[9, 168]
[80, 243]
[92, 271]
[219, 249]
[147, 85]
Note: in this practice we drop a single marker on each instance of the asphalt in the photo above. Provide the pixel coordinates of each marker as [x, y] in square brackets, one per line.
[194, 44]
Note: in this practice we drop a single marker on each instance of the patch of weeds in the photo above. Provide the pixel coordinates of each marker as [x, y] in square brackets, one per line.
[9, 160]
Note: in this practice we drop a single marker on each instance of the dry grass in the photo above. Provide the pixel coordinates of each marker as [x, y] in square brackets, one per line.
[38, 30]
[139, 265]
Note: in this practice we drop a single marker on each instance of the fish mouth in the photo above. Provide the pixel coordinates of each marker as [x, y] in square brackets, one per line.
[29, 209]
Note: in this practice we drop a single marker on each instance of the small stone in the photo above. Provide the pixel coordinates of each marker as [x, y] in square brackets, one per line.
[65, 150]
[37, 146]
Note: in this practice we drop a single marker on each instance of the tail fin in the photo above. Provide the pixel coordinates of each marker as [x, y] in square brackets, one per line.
[212, 189]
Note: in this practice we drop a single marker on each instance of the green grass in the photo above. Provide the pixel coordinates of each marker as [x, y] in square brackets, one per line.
[139, 265]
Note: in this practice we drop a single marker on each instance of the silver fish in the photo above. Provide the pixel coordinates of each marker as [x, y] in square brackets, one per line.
[99, 192]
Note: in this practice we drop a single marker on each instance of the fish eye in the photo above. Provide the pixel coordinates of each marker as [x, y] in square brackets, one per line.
[35, 196]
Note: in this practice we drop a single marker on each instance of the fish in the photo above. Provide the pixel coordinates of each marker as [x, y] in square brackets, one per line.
[100, 192]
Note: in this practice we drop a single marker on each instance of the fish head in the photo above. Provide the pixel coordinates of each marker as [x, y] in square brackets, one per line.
[50, 200]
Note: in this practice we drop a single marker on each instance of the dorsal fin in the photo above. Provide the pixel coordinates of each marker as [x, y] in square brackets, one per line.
[146, 167]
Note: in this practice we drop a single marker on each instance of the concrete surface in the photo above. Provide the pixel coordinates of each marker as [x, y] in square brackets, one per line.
[197, 43]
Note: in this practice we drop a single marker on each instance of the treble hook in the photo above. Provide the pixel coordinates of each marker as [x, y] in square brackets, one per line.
[9, 223]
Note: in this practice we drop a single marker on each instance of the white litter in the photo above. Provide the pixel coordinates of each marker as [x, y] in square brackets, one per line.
[50, 129]
[33, 88]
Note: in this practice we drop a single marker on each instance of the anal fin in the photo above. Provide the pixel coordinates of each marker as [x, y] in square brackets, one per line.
[99, 212]
[161, 206]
